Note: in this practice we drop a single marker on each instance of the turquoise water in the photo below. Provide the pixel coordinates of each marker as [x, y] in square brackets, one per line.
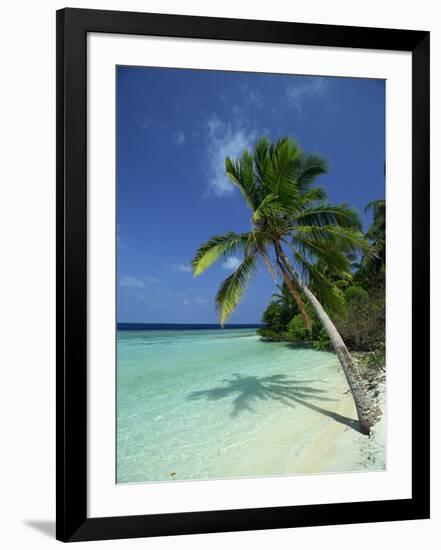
[197, 404]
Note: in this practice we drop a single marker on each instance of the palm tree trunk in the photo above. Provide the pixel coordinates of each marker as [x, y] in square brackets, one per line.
[367, 411]
[294, 293]
[297, 298]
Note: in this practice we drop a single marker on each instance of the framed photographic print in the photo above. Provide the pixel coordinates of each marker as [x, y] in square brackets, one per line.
[242, 323]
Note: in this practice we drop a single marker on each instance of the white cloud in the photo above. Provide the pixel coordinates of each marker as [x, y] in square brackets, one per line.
[231, 263]
[183, 268]
[200, 301]
[150, 279]
[178, 138]
[297, 93]
[225, 139]
[128, 280]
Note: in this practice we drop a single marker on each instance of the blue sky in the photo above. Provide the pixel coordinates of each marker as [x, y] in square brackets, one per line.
[174, 129]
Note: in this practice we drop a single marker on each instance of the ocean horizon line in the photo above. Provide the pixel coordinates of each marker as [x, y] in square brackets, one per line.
[184, 326]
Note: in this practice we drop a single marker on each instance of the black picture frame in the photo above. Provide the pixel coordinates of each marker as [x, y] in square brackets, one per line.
[72, 521]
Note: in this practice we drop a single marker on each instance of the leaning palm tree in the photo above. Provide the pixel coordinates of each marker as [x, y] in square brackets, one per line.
[288, 213]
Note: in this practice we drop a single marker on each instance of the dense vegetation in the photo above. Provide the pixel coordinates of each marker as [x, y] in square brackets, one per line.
[360, 312]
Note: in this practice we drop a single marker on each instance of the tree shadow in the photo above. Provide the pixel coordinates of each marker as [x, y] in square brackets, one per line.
[249, 389]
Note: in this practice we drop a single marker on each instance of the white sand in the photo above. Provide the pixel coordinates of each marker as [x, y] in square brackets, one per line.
[339, 448]
[322, 443]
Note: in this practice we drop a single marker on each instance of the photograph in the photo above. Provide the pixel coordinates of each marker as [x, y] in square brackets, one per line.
[250, 274]
[214, 331]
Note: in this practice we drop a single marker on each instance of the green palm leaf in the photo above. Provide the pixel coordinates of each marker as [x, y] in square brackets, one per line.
[347, 239]
[310, 167]
[281, 172]
[261, 158]
[216, 247]
[233, 287]
[325, 214]
[270, 207]
[327, 291]
[241, 173]
[315, 194]
[333, 257]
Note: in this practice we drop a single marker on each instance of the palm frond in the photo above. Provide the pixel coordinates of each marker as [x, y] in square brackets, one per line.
[326, 290]
[270, 207]
[309, 270]
[315, 194]
[261, 158]
[311, 166]
[232, 288]
[281, 172]
[332, 256]
[241, 173]
[332, 297]
[347, 239]
[377, 231]
[377, 206]
[216, 247]
[326, 214]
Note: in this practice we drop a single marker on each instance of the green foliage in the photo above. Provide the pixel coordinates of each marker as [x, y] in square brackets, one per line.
[276, 181]
[271, 335]
[362, 326]
[371, 273]
[231, 290]
[216, 247]
[278, 314]
[322, 341]
[283, 322]
[355, 294]
[360, 317]
[377, 231]
[297, 330]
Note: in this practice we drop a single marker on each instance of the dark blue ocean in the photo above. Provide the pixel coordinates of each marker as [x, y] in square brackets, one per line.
[179, 326]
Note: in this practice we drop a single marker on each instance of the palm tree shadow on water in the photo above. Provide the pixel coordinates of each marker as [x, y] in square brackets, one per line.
[249, 389]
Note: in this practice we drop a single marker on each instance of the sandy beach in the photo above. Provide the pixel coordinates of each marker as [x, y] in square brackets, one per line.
[326, 441]
[337, 448]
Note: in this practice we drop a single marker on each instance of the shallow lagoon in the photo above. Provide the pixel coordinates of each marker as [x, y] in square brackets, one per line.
[200, 404]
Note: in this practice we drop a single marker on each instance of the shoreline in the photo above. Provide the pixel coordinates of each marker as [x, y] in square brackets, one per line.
[331, 444]
[342, 449]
